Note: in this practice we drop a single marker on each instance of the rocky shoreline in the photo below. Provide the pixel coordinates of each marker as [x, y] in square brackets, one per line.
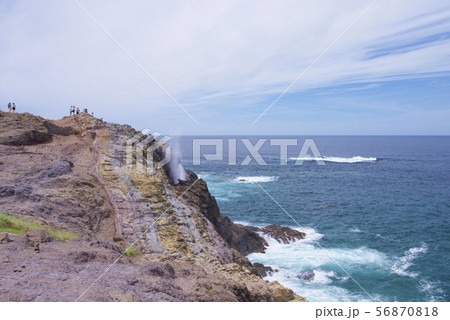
[72, 174]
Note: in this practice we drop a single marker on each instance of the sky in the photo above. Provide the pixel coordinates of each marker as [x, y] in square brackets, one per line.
[225, 62]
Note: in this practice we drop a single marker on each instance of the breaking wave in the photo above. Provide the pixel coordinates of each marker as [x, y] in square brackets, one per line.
[337, 159]
[307, 256]
[402, 264]
[254, 179]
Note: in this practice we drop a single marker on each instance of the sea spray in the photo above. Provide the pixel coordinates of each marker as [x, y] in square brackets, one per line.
[177, 171]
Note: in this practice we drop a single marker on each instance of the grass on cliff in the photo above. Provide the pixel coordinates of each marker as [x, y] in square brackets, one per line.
[131, 252]
[11, 224]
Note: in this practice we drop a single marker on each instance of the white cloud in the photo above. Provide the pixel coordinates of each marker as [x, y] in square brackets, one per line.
[205, 52]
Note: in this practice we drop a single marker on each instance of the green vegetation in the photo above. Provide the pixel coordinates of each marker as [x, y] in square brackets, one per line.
[11, 224]
[131, 252]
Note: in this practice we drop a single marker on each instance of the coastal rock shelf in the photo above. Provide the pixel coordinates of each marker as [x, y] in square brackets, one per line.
[74, 178]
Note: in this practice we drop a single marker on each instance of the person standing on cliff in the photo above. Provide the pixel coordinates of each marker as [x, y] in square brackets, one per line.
[78, 110]
[70, 110]
[9, 107]
[14, 107]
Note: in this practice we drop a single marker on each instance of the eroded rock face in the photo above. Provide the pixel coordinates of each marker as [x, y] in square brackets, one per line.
[80, 179]
[241, 238]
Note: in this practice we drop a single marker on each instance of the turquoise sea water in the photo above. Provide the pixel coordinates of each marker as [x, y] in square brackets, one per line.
[382, 217]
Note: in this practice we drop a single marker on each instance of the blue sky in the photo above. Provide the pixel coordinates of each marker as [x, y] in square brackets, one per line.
[225, 62]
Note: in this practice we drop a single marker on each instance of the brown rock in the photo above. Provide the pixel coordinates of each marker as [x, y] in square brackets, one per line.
[117, 239]
[283, 294]
[37, 236]
[4, 237]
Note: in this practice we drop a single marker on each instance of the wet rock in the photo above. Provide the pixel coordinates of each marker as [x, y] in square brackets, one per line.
[282, 234]
[263, 270]
[239, 237]
[306, 275]
[326, 206]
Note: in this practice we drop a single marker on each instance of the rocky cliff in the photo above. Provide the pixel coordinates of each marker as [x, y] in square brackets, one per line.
[77, 175]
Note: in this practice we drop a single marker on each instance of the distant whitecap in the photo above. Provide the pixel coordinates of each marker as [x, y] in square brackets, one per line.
[258, 179]
[337, 159]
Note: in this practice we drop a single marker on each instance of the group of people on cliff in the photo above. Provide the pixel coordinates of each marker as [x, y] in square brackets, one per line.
[74, 111]
[12, 107]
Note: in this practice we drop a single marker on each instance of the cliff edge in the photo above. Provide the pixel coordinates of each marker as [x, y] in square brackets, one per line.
[75, 175]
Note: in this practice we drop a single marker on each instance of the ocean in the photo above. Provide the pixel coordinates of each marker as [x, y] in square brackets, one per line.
[376, 214]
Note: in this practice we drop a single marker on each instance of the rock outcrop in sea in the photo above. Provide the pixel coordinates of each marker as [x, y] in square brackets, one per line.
[73, 175]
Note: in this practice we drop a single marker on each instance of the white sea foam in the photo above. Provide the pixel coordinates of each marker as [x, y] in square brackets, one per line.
[311, 234]
[402, 264]
[432, 290]
[246, 223]
[324, 277]
[355, 230]
[306, 255]
[223, 199]
[337, 159]
[254, 179]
